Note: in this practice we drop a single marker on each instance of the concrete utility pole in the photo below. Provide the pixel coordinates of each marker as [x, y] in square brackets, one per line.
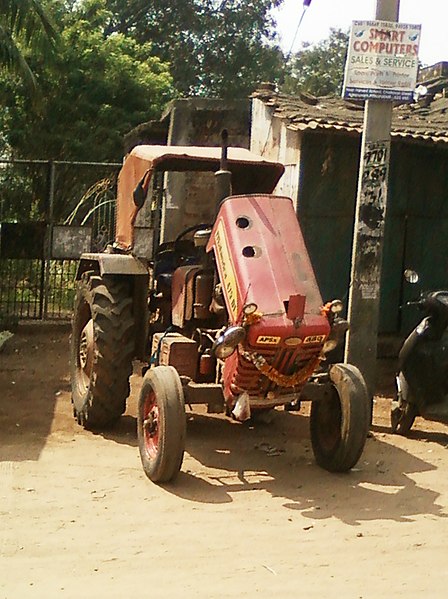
[371, 201]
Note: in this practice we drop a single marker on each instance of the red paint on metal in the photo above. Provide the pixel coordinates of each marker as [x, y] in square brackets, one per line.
[296, 306]
[266, 262]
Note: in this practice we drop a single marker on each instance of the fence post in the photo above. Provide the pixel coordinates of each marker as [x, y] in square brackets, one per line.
[49, 235]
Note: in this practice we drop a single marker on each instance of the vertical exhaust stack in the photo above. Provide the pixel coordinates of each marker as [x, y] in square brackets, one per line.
[223, 177]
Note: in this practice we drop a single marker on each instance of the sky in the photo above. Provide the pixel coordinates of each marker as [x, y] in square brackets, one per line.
[432, 15]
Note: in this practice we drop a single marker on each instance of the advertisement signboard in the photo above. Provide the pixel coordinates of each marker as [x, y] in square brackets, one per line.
[382, 61]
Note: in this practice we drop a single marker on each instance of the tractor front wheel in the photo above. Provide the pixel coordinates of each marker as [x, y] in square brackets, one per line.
[339, 424]
[161, 424]
[101, 348]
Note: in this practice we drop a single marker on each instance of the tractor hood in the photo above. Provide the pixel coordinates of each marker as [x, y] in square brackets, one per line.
[250, 174]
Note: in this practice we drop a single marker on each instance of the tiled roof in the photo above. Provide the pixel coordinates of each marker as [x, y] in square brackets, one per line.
[412, 121]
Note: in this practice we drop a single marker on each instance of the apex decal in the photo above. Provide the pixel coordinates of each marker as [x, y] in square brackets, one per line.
[268, 340]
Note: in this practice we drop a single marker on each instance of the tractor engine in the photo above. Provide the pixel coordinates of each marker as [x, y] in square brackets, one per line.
[277, 327]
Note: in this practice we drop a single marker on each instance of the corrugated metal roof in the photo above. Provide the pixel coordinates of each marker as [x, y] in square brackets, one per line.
[409, 121]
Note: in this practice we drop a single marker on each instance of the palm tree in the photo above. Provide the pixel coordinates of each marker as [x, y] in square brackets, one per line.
[24, 23]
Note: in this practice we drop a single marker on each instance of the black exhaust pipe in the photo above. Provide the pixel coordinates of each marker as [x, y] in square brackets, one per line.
[223, 177]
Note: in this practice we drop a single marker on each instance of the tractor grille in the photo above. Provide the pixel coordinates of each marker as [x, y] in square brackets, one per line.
[287, 361]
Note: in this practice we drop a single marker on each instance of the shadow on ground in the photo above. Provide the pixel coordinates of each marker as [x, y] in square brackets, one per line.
[33, 379]
[224, 457]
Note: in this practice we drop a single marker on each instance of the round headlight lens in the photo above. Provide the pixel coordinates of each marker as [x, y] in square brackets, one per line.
[329, 345]
[336, 306]
[249, 309]
[228, 341]
[223, 351]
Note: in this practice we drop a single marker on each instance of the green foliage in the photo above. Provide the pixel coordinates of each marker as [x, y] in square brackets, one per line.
[24, 24]
[96, 90]
[215, 48]
[319, 69]
[119, 61]
[24, 189]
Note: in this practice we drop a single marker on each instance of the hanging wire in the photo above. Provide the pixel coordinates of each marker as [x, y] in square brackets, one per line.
[305, 7]
[306, 4]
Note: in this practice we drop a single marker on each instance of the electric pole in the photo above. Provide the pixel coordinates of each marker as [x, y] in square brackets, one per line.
[368, 238]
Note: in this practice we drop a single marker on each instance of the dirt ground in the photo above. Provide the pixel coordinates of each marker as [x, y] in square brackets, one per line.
[250, 515]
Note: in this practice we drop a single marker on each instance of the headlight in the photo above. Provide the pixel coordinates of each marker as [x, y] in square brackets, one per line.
[338, 330]
[336, 306]
[330, 345]
[249, 309]
[227, 342]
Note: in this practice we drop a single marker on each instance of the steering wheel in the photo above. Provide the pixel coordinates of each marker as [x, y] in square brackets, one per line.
[188, 230]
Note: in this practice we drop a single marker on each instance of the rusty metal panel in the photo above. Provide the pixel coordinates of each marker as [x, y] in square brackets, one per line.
[182, 293]
[173, 349]
[203, 290]
[70, 242]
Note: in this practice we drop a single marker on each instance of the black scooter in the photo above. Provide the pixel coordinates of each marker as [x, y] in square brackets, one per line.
[422, 379]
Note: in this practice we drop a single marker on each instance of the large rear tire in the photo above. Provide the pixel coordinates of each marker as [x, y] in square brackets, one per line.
[339, 425]
[102, 348]
[161, 424]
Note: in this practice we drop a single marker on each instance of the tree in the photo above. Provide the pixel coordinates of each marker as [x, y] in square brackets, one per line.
[24, 23]
[215, 47]
[319, 69]
[94, 92]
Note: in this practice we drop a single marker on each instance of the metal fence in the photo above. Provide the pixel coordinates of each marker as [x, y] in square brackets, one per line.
[49, 213]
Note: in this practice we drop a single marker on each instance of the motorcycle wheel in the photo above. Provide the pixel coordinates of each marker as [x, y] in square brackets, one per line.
[402, 418]
[403, 412]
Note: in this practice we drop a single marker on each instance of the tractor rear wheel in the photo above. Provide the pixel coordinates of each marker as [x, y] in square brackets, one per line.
[161, 423]
[102, 348]
[339, 425]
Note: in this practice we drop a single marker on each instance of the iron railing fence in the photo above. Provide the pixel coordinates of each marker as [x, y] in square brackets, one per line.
[49, 213]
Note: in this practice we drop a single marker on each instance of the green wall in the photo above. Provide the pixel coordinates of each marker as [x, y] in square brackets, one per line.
[416, 232]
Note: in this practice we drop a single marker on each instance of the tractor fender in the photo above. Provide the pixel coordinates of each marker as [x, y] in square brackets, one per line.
[111, 264]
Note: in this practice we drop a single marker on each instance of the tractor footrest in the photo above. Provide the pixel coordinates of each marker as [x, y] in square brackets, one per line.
[205, 393]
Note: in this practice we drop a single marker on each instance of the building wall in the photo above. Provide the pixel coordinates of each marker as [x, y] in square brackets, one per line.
[270, 138]
[190, 197]
[416, 231]
[326, 207]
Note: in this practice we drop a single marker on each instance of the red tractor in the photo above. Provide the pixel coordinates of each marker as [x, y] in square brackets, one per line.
[228, 315]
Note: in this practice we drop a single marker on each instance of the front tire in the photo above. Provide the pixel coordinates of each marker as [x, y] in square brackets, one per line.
[339, 425]
[161, 424]
[102, 348]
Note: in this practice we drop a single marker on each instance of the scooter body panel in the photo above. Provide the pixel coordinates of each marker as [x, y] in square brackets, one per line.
[423, 362]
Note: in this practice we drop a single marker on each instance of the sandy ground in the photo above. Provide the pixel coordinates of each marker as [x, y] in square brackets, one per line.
[78, 518]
